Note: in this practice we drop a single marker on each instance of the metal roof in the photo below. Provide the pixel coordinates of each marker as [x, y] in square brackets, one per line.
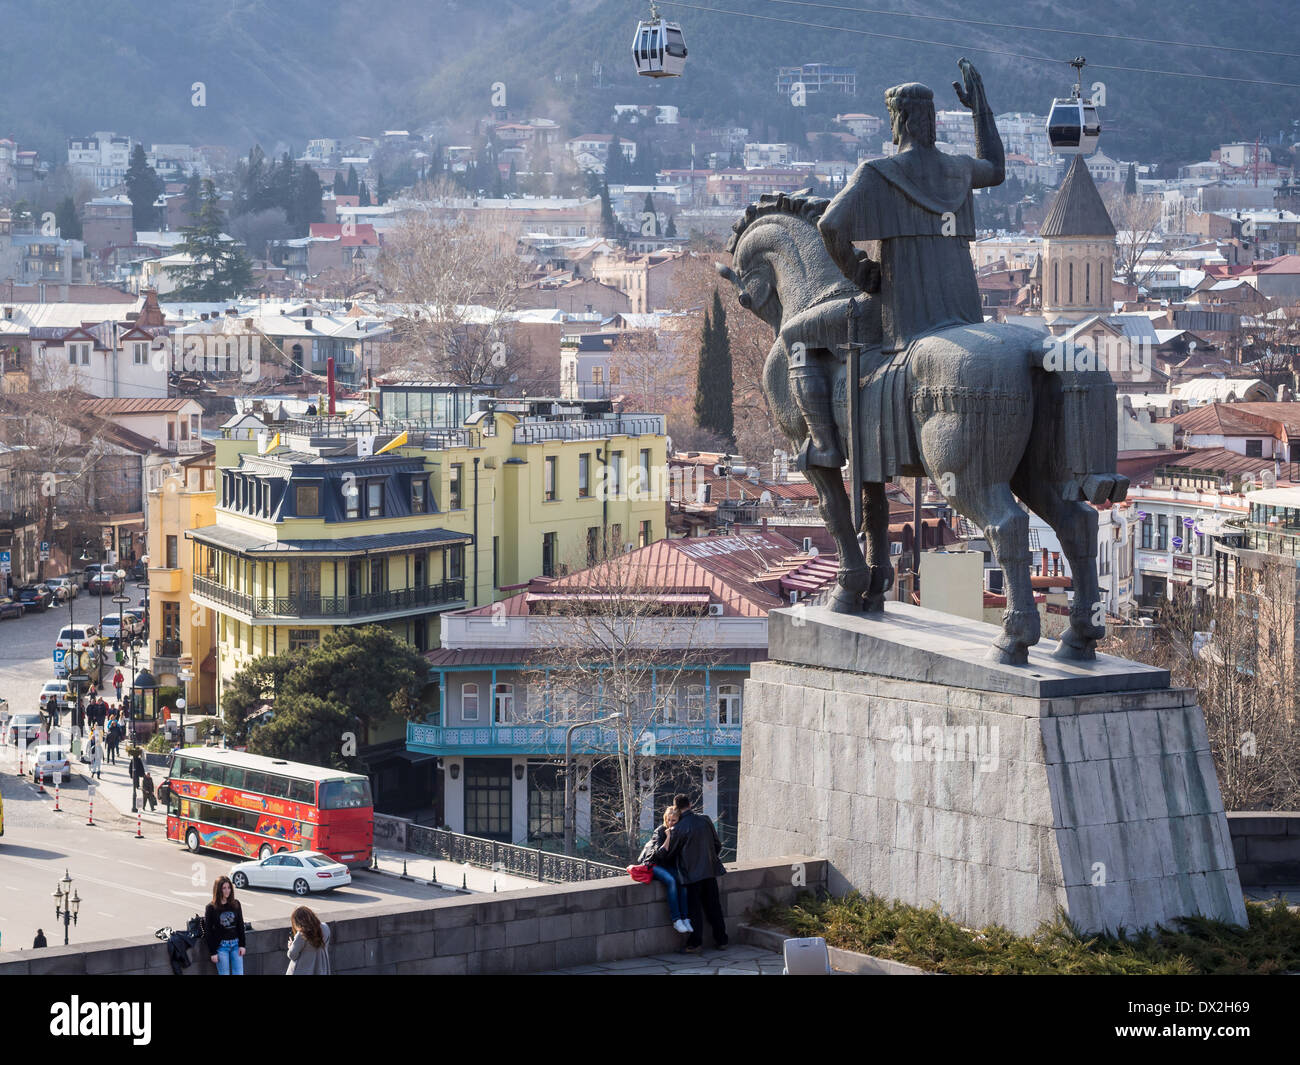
[251, 544]
[1077, 210]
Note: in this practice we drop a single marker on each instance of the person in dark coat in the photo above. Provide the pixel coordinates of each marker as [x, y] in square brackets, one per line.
[666, 873]
[39, 941]
[147, 793]
[694, 845]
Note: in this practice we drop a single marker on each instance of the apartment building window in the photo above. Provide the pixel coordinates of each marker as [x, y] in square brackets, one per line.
[548, 477]
[1146, 535]
[503, 704]
[548, 554]
[644, 486]
[469, 702]
[1254, 449]
[139, 353]
[374, 499]
[78, 354]
[171, 620]
[695, 702]
[173, 552]
[303, 639]
[453, 491]
[593, 545]
[584, 475]
[597, 375]
[728, 704]
[351, 498]
[378, 576]
[419, 496]
[1162, 532]
[456, 562]
[644, 537]
[616, 474]
[615, 538]
[307, 501]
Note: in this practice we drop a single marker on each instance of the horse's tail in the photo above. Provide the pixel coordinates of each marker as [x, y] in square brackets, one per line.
[1083, 405]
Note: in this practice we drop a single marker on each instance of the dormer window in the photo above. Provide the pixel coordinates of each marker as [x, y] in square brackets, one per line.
[419, 496]
[307, 501]
[375, 499]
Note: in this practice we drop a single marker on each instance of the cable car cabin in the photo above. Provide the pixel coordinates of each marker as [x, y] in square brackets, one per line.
[659, 49]
[1073, 127]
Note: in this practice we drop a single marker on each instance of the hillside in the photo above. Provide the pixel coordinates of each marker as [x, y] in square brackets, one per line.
[284, 70]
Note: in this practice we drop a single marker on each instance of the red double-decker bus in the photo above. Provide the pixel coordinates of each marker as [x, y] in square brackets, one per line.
[251, 805]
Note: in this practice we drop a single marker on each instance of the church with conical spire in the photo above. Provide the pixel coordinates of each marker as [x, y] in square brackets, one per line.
[1077, 261]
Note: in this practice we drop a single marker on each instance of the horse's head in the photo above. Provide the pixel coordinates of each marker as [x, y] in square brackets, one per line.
[779, 262]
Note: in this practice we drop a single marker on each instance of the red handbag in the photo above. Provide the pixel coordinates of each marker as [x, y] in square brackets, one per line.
[640, 873]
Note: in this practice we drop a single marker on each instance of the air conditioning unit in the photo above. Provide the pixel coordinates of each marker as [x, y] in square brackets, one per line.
[715, 610]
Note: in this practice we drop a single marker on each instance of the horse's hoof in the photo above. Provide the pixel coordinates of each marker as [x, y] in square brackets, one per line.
[1015, 655]
[1069, 652]
[874, 604]
[845, 602]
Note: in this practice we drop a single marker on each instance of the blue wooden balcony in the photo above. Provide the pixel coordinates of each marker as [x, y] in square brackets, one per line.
[547, 738]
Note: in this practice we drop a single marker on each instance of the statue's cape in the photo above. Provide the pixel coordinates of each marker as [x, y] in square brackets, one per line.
[913, 194]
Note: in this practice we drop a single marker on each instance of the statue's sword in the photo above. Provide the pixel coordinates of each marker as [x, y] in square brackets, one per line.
[853, 428]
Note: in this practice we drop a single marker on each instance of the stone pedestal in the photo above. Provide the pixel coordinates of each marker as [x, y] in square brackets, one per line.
[923, 773]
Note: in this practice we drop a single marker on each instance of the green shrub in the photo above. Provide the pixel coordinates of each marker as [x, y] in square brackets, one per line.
[929, 940]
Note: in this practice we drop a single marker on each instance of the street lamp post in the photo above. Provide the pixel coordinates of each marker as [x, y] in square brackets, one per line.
[66, 904]
[184, 676]
[569, 798]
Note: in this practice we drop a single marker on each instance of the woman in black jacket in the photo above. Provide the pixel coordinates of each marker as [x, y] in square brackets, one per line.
[666, 873]
[223, 928]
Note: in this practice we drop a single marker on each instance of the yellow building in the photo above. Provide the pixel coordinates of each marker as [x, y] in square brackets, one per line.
[322, 522]
[181, 497]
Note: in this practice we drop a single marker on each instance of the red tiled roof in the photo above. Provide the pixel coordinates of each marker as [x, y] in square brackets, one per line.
[362, 235]
[745, 574]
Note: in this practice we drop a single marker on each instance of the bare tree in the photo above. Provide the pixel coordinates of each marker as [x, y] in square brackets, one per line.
[459, 276]
[616, 647]
[1239, 656]
[1137, 231]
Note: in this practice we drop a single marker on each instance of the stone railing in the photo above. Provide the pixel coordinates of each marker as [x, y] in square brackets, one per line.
[528, 931]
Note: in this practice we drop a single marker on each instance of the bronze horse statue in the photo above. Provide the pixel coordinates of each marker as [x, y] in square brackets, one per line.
[979, 409]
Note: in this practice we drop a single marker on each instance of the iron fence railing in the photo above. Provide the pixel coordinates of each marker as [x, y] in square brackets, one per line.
[545, 738]
[530, 862]
[316, 606]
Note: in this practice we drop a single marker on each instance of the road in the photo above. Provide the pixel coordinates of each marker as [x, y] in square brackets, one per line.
[27, 646]
[131, 886]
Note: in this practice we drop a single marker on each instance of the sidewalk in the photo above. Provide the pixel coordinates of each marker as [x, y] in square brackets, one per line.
[114, 787]
[449, 874]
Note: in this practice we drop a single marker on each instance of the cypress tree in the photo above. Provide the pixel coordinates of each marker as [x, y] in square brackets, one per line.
[713, 393]
[1130, 181]
[143, 187]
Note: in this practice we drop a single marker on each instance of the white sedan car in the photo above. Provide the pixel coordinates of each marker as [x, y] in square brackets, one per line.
[301, 872]
[49, 761]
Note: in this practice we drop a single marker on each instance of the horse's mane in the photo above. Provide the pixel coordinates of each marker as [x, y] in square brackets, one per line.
[802, 204]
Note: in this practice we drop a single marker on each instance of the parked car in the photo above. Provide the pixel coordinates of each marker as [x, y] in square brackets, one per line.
[64, 588]
[117, 626]
[28, 725]
[49, 759]
[105, 583]
[141, 616]
[57, 688]
[301, 872]
[34, 597]
[11, 608]
[92, 570]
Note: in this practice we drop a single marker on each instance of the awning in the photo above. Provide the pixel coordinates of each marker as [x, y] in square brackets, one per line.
[243, 543]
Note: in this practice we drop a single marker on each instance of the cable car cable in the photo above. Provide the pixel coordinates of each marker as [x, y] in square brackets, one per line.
[1035, 29]
[973, 48]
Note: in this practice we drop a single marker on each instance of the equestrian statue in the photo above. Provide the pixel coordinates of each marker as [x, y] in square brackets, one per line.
[886, 363]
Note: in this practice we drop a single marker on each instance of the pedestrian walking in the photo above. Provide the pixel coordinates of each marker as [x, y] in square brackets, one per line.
[39, 941]
[96, 755]
[114, 739]
[666, 871]
[146, 791]
[694, 845]
[309, 942]
[137, 768]
[223, 928]
[118, 681]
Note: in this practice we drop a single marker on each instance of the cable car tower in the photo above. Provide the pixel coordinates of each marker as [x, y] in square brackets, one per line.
[1073, 127]
[659, 48]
